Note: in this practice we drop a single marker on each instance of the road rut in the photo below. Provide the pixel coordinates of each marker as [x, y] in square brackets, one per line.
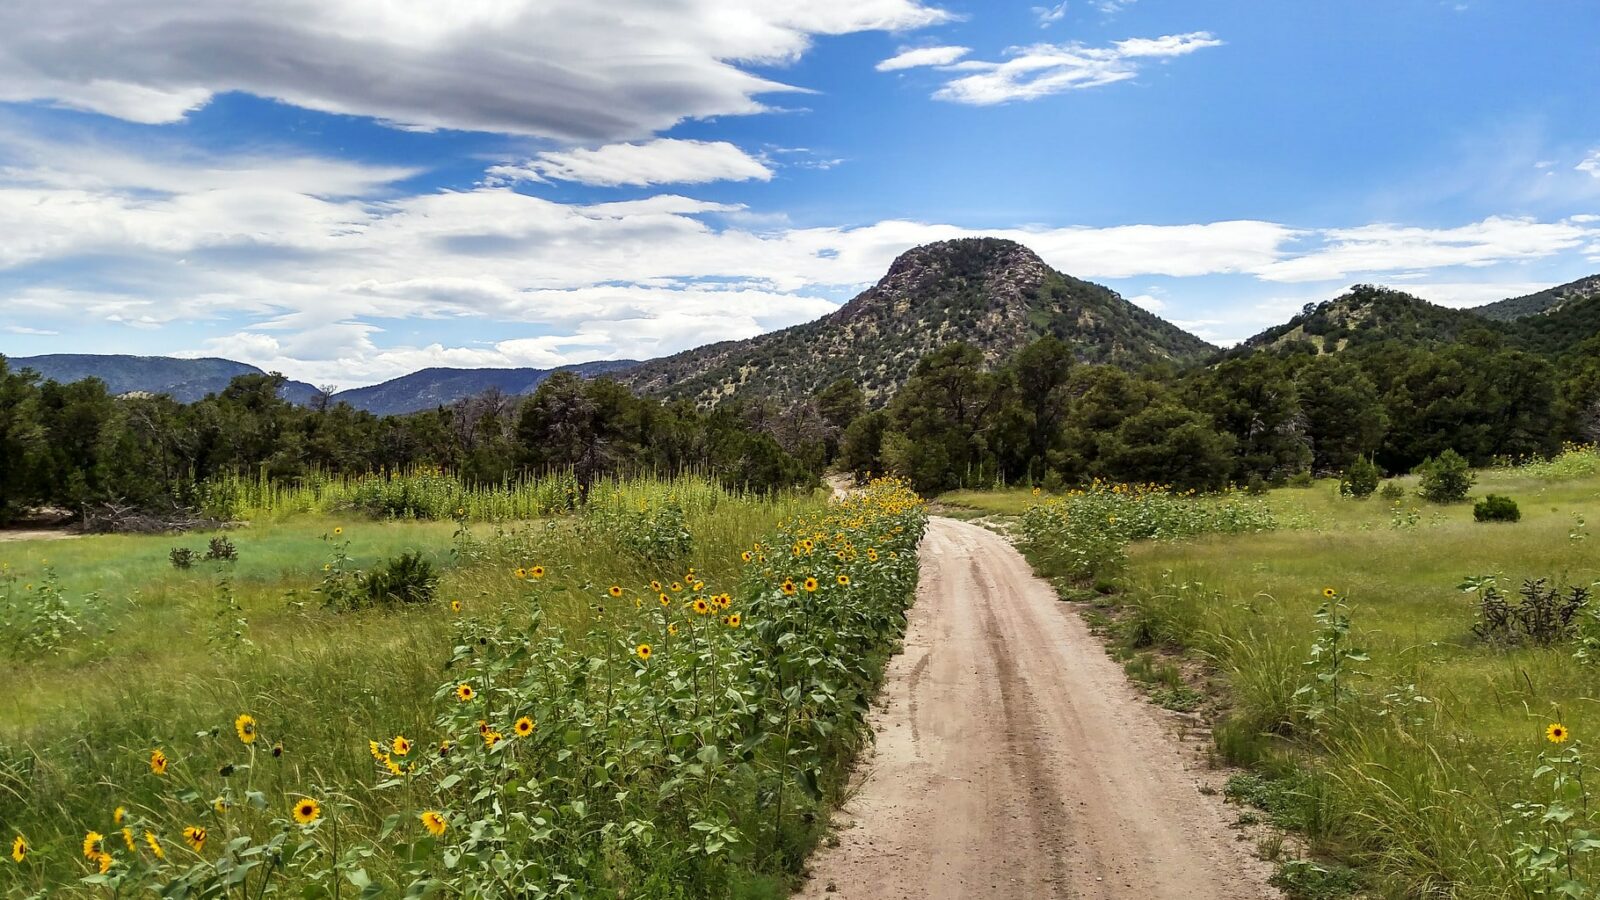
[1013, 760]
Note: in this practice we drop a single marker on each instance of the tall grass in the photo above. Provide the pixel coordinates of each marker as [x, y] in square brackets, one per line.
[413, 494]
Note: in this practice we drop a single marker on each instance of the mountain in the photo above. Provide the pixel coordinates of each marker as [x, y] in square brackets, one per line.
[429, 388]
[186, 380]
[1544, 302]
[995, 294]
[1367, 315]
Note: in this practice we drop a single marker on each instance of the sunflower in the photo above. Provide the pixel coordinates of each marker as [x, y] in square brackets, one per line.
[733, 620]
[655, 586]
[523, 727]
[127, 838]
[307, 810]
[521, 573]
[1329, 592]
[400, 745]
[490, 738]
[642, 651]
[338, 530]
[195, 837]
[872, 554]
[844, 580]
[747, 556]
[455, 606]
[672, 628]
[701, 606]
[154, 844]
[1557, 733]
[376, 749]
[433, 820]
[811, 585]
[118, 814]
[788, 586]
[94, 844]
[19, 848]
[445, 747]
[277, 749]
[675, 587]
[245, 727]
[615, 590]
[699, 585]
[723, 601]
[464, 692]
[105, 862]
[158, 761]
[665, 600]
[537, 571]
[219, 806]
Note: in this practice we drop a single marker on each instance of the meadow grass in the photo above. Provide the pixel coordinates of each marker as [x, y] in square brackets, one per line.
[1416, 775]
[155, 665]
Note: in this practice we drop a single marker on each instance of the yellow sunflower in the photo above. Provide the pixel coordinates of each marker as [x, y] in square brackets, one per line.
[400, 745]
[537, 571]
[19, 848]
[154, 844]
[844, 580]
[93, 844]
[788, 586]
[521, 573]
[675, 587]
[195, 837]
[307, 810]
[615, 590]
[245, 727]
[433, 820]
[643, 651]
[1329, 592]
[118, 814]
[665, 600]
[105, 862]
[701, 606]
[127, 838]
[158, 761]
[490, 738]
[277, 749]
[734, 620]
[655, 586]
[523, 727]
[219, 806]
[455, 606]
[747, 556]
[338, 530]
[811, 585]
[464, 692]
[1557, 733]
[672, 629]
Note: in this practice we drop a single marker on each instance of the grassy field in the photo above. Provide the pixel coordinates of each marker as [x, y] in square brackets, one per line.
[1419, 767]
[113, 653]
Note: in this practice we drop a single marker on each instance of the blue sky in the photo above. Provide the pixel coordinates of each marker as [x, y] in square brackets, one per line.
[346, 192]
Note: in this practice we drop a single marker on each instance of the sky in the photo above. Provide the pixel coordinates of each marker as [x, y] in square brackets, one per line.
[350, 190]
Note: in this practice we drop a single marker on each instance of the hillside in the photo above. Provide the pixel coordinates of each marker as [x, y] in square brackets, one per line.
[185, 380]
[995, 294]
[1367, 315]
[429, 388]
[1542, 303]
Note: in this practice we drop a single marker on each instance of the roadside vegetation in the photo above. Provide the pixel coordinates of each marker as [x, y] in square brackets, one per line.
[651, 693]
[1410, 685]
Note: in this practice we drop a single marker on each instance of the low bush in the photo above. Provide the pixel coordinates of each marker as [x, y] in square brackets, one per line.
[1495, 508]
[1360, 480]
[182, 557]
[407, 578]
[1542, 615]
[1392, 492]
[1446, 478]
[220, 548]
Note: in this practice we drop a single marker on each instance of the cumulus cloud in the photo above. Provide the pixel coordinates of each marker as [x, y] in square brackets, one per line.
[661, 161]
[1041, 70]
[912, 58]
[513, 66]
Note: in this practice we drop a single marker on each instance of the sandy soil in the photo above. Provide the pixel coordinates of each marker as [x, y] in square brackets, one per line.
[1013, 759]
[36, 535]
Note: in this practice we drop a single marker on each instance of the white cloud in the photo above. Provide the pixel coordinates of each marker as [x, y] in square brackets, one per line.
[1388, 248]
[1148, 301]
[661, 161]
[1591, 164]
[1044, 69]
[1049, 15]
[23, 329]
[1472, 293]
[532, 67]
[911, 58]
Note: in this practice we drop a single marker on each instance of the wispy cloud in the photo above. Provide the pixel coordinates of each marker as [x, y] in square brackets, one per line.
[1049, 15]
[914, 57]
[1591, 164]
[1041, 70]
[661, 161]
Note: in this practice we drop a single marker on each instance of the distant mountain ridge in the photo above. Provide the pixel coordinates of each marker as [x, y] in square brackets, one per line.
[429, 388]
[1545, 302]
[994, 294]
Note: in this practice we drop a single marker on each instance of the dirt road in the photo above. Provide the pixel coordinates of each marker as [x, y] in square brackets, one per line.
[1014, 761]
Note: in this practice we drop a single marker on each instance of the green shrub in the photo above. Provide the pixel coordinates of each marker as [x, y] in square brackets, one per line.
[1392, 492]
[1301, 480]
[1361, 479]
[407, 578]
[1446, 478]
[182, 557]
[1495, 508]
[1256, 486]
[1302, 879]
[221, 548]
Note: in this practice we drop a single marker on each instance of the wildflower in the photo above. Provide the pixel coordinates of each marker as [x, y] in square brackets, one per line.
[105, 862]
[158, 761]
[433, 820]
[655, 586]
[615, 590]
[676, 587]
[245, 726]
[521, 573]
[746, 556]
[788, 586]
[723, 601]
[455, 606]
[338, 530]
[701, 606]
[699, 585]
[19, 849]
[490, 738]
[643, 651]
[464, 692]
[733, 620]
[811, 585]
[665, 600]
[537, 571]
[219, 806]
[672, 628]
[1557, 733]
[195, 837]
[118, 814]
[277, 749]
[523, 727]
[844, 580]
[376, 749]
[307, 811]
[1329, 592]
[154, 844]
[872, 554]
[127, 838]
[400, 745]
[93, 844]
[445, 747]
